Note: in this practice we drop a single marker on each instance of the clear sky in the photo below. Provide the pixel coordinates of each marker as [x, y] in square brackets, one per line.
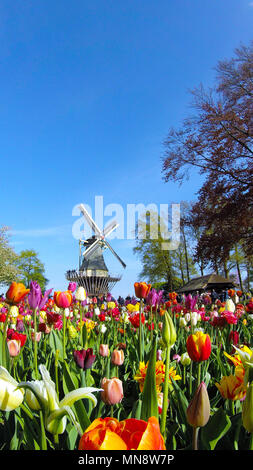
[89, 90]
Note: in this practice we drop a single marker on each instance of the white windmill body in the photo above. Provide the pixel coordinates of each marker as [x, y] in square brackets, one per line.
[93, 273]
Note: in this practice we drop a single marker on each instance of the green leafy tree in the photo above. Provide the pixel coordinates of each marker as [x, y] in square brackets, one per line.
[8, 270]
[160, 265]
[31, 268]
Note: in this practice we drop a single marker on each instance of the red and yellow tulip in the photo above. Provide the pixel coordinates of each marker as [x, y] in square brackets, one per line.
[130, 434]
[198, 346]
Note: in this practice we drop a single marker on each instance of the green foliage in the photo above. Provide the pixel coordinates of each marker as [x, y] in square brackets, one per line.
[8, 271]
[31, 268]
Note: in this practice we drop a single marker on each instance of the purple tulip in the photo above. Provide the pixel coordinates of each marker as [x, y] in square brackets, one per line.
[20, 327]
[72, 286]
[34, 296]
[190, 302]
[84, 358]
[44, 299]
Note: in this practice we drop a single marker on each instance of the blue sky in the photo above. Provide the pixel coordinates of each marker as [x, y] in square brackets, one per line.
[88, 93]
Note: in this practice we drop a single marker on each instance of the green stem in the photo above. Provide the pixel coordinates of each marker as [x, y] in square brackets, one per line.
[251, 441]
[165, 393]
[195, 438]
[199, 372]
[43, 433]
[190, 385]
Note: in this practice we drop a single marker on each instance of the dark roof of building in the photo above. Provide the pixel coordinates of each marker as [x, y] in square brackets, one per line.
[210, 281]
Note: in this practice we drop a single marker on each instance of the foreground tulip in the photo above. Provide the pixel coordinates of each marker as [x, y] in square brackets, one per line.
[10, 397]
[16, 292]
[112, 391]
[41, 395]
[130, 434]
[199, 346]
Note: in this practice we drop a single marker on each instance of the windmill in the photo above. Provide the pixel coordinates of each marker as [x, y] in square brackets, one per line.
[93, 273]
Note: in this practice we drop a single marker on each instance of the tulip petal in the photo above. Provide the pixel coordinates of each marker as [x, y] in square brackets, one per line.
[85, 392]
[152, 438]
[5, 375]
[112, 441]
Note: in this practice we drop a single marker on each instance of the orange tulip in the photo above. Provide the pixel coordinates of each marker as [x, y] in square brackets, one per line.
[141, 289]
[16, 292]
[63, 299]
[130, 434]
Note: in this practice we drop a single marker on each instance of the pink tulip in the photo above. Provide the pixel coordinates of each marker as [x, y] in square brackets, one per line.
[112, 391]
[104, 350]
[14, 347]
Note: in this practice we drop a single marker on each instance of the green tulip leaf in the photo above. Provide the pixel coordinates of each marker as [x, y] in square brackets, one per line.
[149, 403]
[217, 426]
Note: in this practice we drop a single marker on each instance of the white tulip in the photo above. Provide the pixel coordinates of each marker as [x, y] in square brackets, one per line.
[229, 305]
[80, 294]
[10, 397]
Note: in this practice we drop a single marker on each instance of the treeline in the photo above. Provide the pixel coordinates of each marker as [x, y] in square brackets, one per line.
[23, 267]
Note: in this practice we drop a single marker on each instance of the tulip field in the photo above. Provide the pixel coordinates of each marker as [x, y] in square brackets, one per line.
[149, 373]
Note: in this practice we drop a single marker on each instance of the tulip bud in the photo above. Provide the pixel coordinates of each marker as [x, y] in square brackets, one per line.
[247, 409]
[185, 359]
[198, 411]
[169, 335]
[104, 350]
[118, 357]
[112, 391]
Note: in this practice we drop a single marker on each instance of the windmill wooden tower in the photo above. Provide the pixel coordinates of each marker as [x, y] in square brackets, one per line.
[93, 273]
